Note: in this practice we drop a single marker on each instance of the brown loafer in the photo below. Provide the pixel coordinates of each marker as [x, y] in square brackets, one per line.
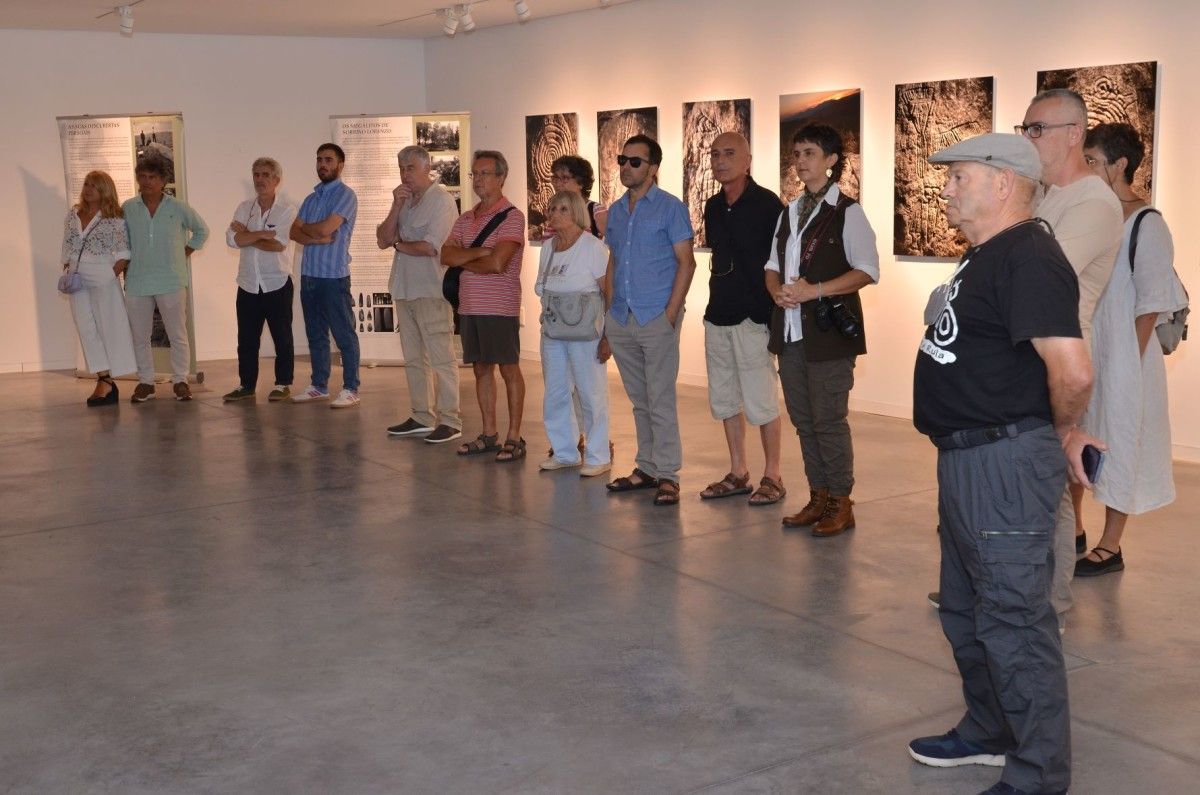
[182, 391]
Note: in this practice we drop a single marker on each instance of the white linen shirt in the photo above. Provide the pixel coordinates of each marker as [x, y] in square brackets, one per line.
[858, 240]
[258, 269]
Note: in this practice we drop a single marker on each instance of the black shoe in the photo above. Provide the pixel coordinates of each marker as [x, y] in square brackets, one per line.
[1086, 567]
[1081, 544]
[409, 427]
[112, 397]
[443, 433]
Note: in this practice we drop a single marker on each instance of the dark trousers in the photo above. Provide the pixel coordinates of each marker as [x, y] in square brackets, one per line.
[275, 309]
[996, 505]
[817, 396]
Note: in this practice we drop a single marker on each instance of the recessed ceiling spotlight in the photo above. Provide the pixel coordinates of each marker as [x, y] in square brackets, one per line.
[522, 9]
[465, 20]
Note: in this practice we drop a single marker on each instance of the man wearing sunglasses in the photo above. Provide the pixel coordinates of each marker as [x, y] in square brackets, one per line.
[649, 270]
[1087, 221]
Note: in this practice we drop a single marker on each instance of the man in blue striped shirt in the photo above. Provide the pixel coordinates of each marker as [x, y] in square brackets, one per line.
[323, 227]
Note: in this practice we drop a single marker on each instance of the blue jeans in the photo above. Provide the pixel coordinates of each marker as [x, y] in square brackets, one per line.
[326, 304]
[567, 365]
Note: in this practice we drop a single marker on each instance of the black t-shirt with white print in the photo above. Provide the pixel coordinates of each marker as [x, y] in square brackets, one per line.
[976, 367]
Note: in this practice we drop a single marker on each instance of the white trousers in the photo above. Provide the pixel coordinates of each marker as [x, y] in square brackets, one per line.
[173, 308]
[100, 317]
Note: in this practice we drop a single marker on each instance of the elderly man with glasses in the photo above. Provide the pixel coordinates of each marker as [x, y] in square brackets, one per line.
[1087, 221]
[649, 271]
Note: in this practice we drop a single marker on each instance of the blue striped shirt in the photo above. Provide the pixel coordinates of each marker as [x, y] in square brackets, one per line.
[329, 260]
[643, 250]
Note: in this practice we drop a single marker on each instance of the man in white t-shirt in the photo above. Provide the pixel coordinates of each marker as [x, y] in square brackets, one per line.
[260, 231]
[419, 221]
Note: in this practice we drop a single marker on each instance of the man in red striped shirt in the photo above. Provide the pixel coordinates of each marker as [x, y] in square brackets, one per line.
[490, 302]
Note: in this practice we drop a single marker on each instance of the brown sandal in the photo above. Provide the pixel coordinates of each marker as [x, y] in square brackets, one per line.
[480, 444]
[768, 492]
[668, 493]
[729, 486]
[643, 481]
[511, 451]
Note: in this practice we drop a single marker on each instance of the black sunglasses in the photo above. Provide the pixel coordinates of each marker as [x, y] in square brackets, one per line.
[635, 162]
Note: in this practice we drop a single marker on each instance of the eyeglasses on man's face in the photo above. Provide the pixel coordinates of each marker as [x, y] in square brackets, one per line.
[482, 174]
[1036, 129]
[634, 162]
[1094, 161]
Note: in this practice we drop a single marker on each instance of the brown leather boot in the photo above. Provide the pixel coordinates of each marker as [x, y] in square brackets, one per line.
[838, 517]
[810, 513]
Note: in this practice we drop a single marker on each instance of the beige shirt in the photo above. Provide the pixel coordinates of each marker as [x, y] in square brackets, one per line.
[429, 220]
[1087, 221]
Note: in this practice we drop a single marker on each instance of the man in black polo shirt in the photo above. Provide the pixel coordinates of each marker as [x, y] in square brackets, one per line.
[742, 381]
[1001, 378]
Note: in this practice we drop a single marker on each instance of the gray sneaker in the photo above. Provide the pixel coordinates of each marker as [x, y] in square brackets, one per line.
[280, 392]
[241, 393]
[443, 433]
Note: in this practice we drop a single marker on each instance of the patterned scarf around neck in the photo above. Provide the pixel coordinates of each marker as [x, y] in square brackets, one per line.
[808, 202]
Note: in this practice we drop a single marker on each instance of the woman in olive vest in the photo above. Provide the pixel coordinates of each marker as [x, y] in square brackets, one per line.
[824, 254]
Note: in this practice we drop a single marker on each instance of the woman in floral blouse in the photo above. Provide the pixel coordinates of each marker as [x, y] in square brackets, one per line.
[95, 242]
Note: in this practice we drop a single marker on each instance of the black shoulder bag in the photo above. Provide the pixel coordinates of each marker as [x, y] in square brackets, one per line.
[451, 279]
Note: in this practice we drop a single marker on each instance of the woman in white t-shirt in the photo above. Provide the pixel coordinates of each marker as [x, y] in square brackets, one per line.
[573, 262]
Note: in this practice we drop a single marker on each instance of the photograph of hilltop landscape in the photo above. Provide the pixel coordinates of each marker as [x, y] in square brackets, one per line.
[841, 110]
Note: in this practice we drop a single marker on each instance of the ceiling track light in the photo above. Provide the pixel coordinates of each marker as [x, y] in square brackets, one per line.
[522, 9]
[125, 20]
[465, 20]
[449, 21]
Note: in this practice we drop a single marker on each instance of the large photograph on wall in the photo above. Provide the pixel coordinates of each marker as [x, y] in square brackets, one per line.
[702, 122]
[841, 110]
[547, 138]
[931, 116]
[1118, 93]
[613, 129]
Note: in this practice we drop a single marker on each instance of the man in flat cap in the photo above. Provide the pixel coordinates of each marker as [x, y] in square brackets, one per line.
[1001, 379]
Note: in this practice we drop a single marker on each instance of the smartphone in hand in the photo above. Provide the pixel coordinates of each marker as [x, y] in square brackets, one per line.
[1093, 462]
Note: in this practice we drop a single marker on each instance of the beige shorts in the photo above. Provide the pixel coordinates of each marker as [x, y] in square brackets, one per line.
[741, 372]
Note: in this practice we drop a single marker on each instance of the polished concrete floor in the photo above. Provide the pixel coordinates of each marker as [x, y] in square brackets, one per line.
[260, 598]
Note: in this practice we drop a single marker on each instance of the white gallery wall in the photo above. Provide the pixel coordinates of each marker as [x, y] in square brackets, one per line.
[241, 97]
[665, 52]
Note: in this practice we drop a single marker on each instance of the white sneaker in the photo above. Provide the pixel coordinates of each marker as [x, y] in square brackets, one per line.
[591, 470]
[347, 398]
[311, 393]
[554, 463]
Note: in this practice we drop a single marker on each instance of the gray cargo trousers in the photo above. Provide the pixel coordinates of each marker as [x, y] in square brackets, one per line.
[996, 507]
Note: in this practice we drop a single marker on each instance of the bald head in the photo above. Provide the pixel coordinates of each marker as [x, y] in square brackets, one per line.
[730, 158]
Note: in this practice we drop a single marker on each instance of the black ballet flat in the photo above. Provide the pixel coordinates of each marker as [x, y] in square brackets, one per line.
[1086, 567]
[112, 397]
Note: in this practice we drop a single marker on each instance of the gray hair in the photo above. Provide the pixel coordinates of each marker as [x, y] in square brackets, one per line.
[1073, 99]
[414, 152]
[268, 162]
[492, 154]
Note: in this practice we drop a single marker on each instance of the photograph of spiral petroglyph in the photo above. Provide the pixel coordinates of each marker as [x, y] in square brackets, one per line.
[547, 138]
[931, 116]
[1119, 93]
[613, 129]
[841, 110]
[702, 122]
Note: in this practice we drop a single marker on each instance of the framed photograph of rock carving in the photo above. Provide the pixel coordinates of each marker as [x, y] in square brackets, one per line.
[841, 110]
[1119, 93]
[931, 116]
[613, 129]
[703, 122]
[547, 138]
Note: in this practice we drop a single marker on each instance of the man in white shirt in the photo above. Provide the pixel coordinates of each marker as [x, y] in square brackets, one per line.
[417, 225]
[260, 230]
